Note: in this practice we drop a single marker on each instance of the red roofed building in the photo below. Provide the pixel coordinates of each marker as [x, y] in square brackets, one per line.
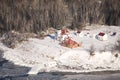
[102, 36]
[80, 33]
[64, 31]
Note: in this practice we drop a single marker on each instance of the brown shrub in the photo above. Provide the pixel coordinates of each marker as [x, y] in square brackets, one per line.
[12, 38]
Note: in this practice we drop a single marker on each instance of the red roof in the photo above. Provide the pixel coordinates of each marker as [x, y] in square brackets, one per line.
[64, 31]
[101, 34]
[88, 33]
[78, 31]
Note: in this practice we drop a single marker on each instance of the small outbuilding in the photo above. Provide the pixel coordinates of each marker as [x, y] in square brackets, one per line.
[62, 34]
[64, 31]
[113, 34]
[79, 33]
[102, 36]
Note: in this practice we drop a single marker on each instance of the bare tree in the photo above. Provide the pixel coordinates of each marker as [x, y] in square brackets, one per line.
[38, 15]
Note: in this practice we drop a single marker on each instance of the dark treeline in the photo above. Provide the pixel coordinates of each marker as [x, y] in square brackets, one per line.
[38, 15]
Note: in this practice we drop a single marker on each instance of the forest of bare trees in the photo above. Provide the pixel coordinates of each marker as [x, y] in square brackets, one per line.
[38, 15]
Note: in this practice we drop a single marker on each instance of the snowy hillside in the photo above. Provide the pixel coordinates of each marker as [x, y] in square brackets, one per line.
[49, 55]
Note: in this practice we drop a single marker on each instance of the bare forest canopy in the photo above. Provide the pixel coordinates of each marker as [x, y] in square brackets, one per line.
[38, 15]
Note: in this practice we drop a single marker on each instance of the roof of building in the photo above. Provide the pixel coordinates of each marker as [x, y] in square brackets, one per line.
[101, 34]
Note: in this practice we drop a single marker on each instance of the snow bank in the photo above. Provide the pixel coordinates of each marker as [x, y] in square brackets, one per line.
[73, 58]
[82, 60]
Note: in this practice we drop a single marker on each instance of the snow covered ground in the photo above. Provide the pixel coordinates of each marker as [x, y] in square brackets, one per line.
[48, 55]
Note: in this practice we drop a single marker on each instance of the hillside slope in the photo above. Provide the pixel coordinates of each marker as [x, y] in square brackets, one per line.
[48, 55]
